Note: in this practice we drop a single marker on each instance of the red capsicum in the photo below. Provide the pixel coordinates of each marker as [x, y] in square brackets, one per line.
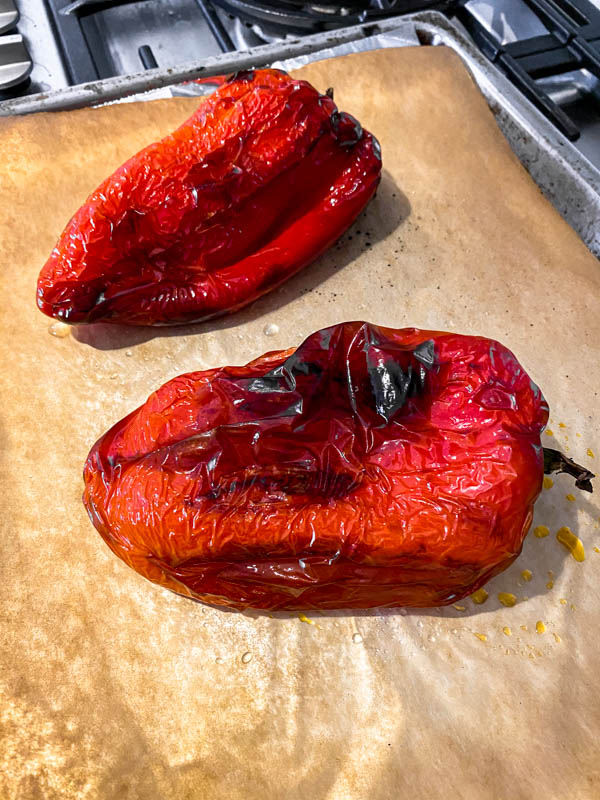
[367, 467]
[262, 179]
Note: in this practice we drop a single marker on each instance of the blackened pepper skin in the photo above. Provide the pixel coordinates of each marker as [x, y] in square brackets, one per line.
[262, 179]
[368, 467]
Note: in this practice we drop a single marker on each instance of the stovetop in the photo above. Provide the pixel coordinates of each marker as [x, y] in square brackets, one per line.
[83, 40]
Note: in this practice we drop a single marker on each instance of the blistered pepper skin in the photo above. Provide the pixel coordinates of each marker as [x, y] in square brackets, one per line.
[263, 178]
[368, 467]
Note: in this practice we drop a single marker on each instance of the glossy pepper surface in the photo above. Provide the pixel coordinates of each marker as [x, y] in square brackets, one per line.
[262, 179]
[368, 467]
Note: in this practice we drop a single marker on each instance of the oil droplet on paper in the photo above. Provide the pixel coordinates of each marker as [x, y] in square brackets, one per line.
[548, 482]
[570, 498]
[596, 549]
[481, 636]
[479, 597]
[219, 660]
[590, 452]
[526, 574]
[128, 353]
[246, 658]
[578, 435]
[540, 627]
[549, 432]
[271, 329]
[357, 638]
[523, 627]
[304, 618]
[541, 532]
[507, 599]
[574, 545]
[507, 631]
[557, 638]
[459, 608]
[562, 601]
[431, 637]
[59, 329]
[561, 425]
[550, 584]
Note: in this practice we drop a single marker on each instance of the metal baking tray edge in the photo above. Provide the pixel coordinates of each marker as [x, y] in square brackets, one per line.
[567, 179]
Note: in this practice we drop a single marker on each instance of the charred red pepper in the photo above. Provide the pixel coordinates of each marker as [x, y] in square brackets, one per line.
[368, 467]
[261, 180]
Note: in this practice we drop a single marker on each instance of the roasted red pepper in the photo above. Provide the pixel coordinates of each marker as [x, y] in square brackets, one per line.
[368, 467]
[261, 180]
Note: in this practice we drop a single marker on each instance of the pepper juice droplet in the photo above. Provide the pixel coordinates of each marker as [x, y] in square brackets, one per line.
[548, 482]
[541, 532]
[271, 329]
[549, 433]
[59, 329]
[590, 452]
[479, 597]
[526, 575]
[507, 599]
[507, 631]
[570, 498]
[304, 618]
[246, 658]
[357, 638]
[574, 545]
[481, 636]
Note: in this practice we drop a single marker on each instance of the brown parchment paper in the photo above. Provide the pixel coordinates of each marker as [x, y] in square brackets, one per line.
[114, 688]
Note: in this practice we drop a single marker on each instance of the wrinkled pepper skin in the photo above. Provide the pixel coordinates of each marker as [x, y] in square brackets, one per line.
[262, 179]
[368, 467]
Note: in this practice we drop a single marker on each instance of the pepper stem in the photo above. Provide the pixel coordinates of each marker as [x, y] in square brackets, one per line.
[555, 461]
[329, 92]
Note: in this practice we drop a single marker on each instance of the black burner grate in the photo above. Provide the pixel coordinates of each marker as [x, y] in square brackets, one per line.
[572, 43]
[298, 16]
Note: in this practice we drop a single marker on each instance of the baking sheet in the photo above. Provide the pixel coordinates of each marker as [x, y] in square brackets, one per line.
[114, 688]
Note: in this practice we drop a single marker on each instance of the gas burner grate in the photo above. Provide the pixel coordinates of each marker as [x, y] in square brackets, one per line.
[572, 43]
[299, 16]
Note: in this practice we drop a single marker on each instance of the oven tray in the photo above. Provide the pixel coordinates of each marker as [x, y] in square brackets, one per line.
[567, 179]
